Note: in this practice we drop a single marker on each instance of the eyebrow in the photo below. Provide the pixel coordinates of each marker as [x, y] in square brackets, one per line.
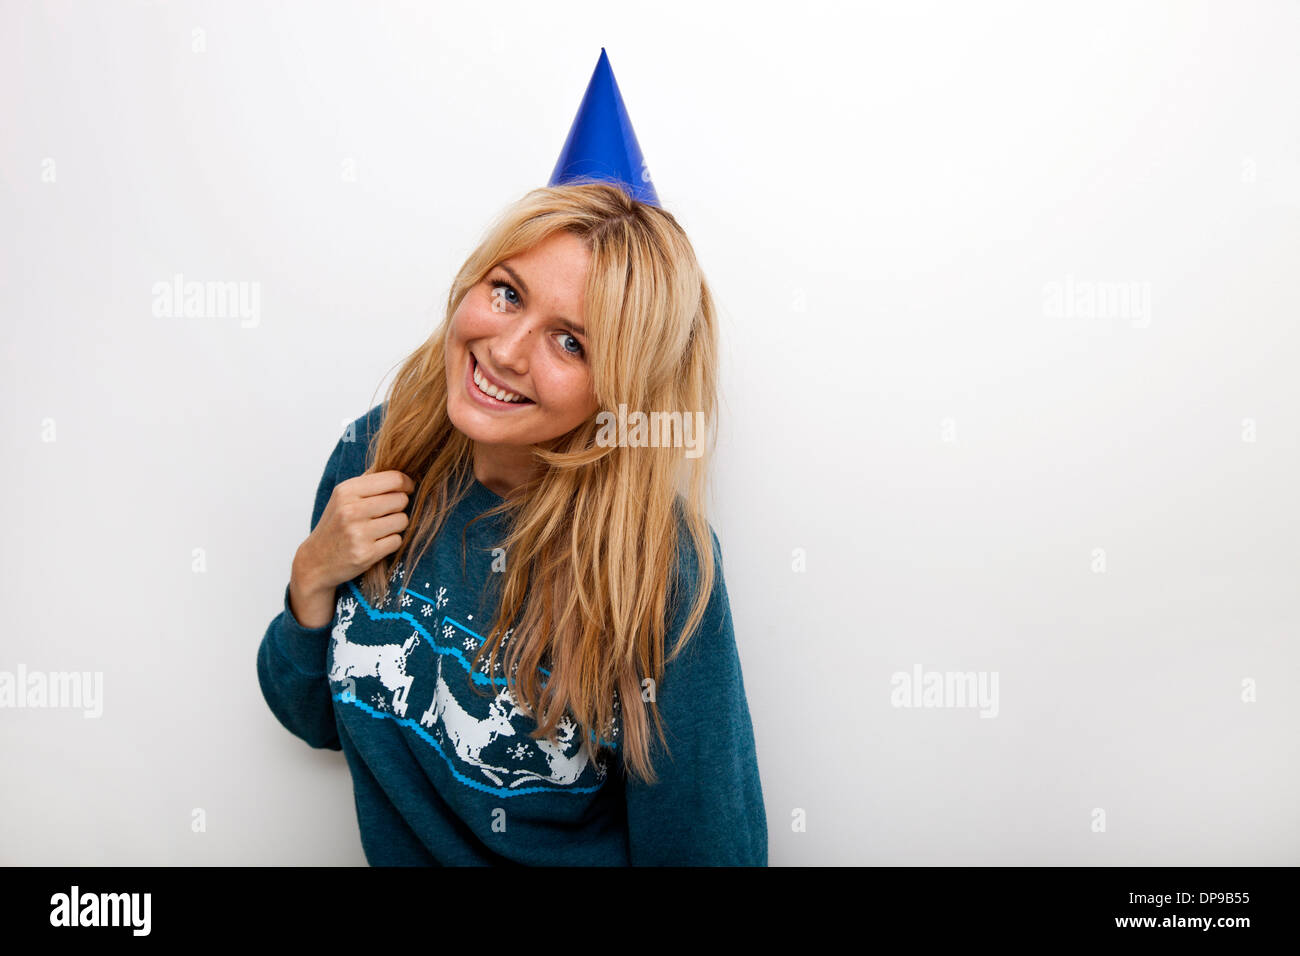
[567, 323]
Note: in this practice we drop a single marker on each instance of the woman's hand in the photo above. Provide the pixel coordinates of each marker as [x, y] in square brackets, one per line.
[361, 524]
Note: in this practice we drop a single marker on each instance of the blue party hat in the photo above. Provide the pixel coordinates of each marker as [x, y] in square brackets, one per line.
[601, 143]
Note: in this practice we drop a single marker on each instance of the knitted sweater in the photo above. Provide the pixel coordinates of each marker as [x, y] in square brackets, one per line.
[445, 775]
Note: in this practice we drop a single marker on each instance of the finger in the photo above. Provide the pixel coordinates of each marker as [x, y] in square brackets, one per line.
[380, 528]
[378, 483]
[377, 506]
[386, 546]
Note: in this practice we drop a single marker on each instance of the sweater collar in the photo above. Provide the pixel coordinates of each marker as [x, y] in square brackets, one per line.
[481, 496]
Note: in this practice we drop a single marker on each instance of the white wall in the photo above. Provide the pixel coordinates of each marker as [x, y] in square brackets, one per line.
[883, 197]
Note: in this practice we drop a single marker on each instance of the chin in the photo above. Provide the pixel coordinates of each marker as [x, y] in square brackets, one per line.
[481, 427]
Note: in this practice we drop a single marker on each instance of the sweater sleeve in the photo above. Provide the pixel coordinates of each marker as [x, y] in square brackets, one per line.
[291, 658]
[706, 809]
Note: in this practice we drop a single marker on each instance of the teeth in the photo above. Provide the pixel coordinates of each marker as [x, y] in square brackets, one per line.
[488, 388]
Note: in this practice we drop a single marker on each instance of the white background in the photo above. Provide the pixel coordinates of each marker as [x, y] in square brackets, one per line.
[880, 196]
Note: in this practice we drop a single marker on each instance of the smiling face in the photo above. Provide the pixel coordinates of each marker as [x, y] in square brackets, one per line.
[517, 370]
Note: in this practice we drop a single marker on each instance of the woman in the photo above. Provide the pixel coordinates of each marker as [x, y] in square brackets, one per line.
[516, 629]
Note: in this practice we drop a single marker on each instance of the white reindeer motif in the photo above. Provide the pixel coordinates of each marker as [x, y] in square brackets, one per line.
[385, 661]
[469, 736]
[565, 768]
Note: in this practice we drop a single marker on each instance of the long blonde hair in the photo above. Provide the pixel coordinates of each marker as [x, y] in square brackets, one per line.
[593, 539]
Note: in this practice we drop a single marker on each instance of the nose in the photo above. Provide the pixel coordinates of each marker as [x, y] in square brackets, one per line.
[508, 349]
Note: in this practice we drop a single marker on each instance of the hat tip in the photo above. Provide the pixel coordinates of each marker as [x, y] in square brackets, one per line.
[601, 143]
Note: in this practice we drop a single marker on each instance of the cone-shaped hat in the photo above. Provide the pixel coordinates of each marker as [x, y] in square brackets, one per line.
[601, 143]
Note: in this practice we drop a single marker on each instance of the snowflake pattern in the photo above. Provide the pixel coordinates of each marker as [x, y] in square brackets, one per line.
[469, 643]
[520, 751]
[611, 729]
[427, 610]
[406, 599]
[441, 598]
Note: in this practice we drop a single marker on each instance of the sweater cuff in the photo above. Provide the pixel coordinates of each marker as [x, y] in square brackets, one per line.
[303, 646]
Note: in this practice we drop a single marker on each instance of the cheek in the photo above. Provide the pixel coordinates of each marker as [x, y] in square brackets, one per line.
[569, 390]
[455, 349]
[476, 320]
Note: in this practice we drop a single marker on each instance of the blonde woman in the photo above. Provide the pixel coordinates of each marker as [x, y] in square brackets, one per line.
[509, 614]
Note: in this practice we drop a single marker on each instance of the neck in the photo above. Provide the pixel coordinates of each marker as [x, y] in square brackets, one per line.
[503, 468]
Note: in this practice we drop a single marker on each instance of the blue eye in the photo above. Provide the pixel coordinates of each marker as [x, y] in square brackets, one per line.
[566, 335]
[500, 297]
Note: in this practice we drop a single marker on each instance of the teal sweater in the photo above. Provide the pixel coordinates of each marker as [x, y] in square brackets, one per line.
[445, 776]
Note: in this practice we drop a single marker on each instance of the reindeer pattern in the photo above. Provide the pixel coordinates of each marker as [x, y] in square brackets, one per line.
[384, 661]
[485, 740]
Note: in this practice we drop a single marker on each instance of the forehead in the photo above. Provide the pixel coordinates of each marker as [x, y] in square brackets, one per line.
[554, 270]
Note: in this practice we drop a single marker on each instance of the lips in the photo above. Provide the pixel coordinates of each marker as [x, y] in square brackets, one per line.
[476, 370]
